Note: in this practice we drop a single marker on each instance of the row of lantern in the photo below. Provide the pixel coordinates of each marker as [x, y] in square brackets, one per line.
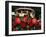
[26, 21]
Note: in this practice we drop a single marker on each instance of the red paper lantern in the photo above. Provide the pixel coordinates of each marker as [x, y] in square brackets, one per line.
[25, 19]
[23, 24]
[30, 22]
[17, 20]
[34, 21]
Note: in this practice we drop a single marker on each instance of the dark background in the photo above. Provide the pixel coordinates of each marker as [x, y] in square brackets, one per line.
[37, 10]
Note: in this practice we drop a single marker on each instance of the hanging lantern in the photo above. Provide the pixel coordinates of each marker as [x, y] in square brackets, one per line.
[17, 20]
[34, 21]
